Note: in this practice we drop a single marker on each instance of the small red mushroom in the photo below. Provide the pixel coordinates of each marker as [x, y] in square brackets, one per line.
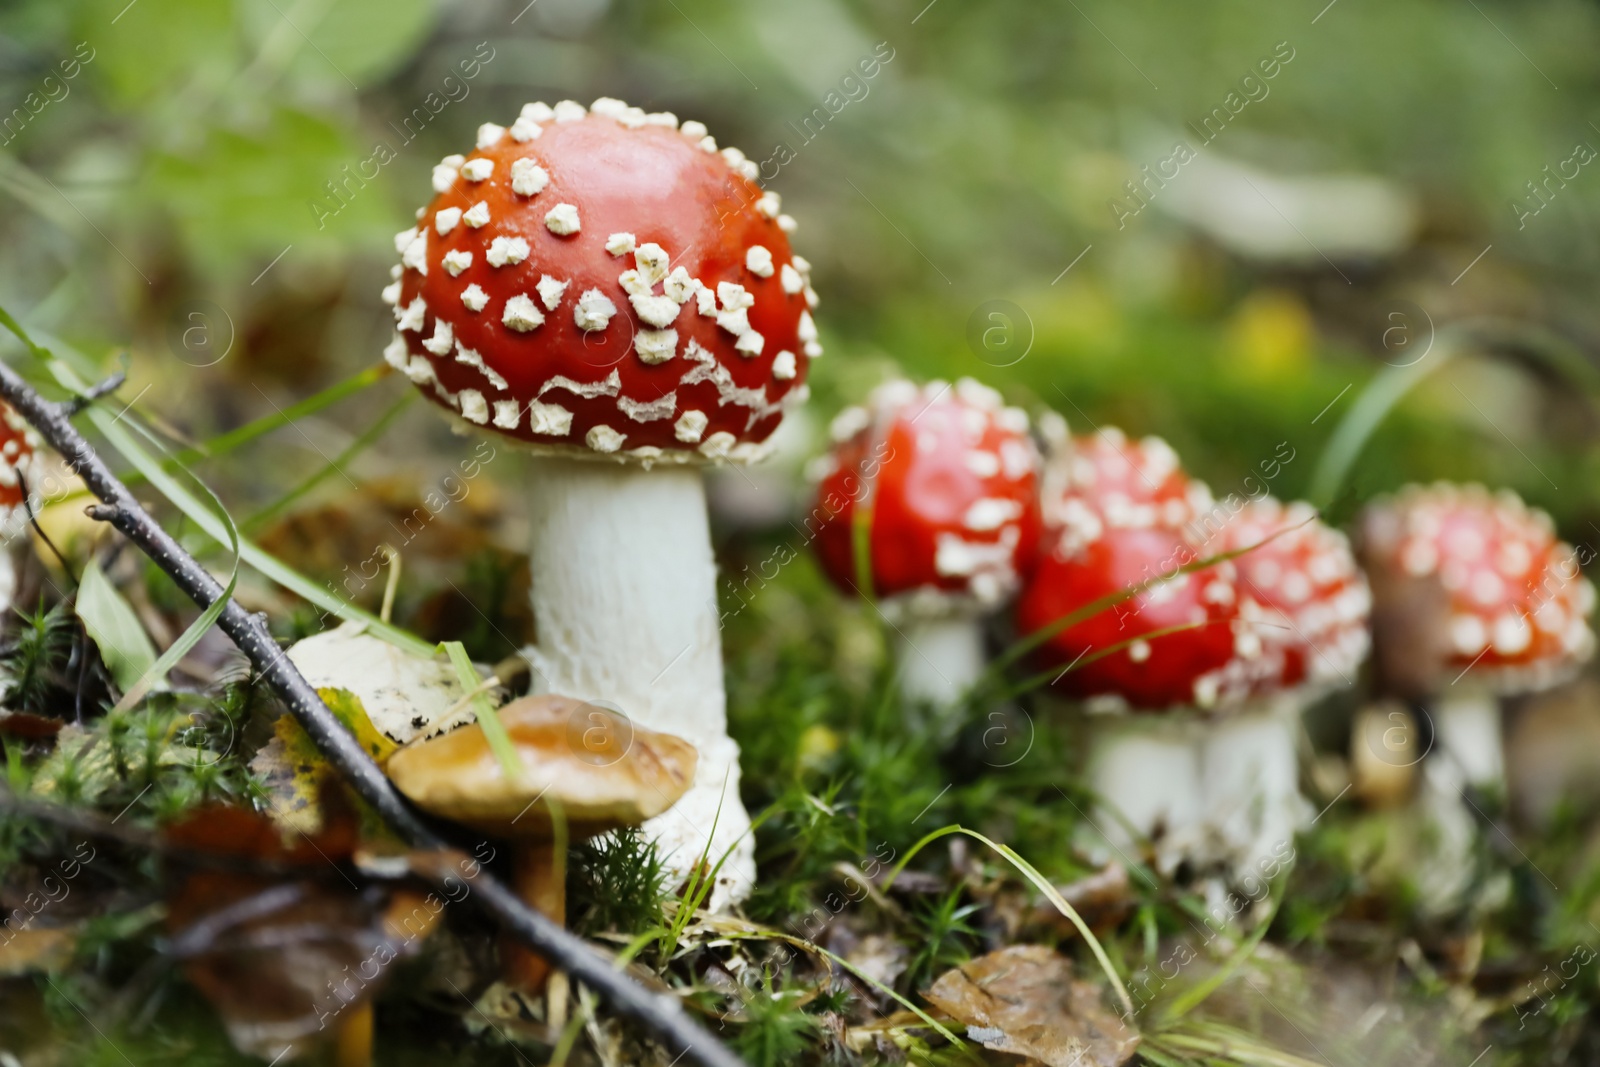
[19, 461]
[946, 477]
[1121, 516]
[1306, 602]
[1474, 598]
[1304, 595]
[606, 288]
[18, 447]
[1187, 668]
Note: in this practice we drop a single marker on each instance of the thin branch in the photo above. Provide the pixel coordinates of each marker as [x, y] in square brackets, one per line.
[660, 1013]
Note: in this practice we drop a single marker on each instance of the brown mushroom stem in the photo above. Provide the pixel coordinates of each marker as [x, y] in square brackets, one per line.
[540, 878]
[353, 1046]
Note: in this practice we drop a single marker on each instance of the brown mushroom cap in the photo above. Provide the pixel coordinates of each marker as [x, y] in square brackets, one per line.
[602, 769]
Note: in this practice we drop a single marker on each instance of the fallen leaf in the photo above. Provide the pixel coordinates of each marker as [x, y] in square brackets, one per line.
[402, 695]
[1102, 899]
[294, 771]
[29, 727]
[1023, 1000]
[286, 945]
[30, 950]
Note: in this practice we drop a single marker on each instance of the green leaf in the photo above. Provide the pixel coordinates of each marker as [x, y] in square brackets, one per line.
[115, 628]
[243, 193]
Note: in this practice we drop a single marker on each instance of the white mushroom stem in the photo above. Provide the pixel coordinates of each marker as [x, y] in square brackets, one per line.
[625, 613]
[939, 659]
[1250, 780]
[1466, 730]
[1146, 770]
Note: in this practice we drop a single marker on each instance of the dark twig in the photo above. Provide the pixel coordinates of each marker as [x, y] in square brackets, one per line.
[105, 388]
[660, 1013]
[33, 520]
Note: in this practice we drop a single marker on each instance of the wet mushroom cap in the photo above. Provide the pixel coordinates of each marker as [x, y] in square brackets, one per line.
[605, 283]
[604, 770]
[1197, 667]
[1503, 596]
[1300, 591]
[951, 478]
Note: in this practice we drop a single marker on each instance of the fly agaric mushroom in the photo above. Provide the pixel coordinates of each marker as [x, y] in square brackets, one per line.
[596, 768]
[608, 289]
[1474, 598]
[945, 477]
[1115, 513]
[1305, 600]
[18, 460]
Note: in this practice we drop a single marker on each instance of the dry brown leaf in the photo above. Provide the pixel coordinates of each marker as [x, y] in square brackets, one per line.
[1023, 1000]
[1103, 899]
[29, 950]
[289, 958]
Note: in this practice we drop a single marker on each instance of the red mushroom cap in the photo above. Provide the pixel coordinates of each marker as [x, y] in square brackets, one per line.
[605, 283]
[18, 447]
[1195, 667]
[1515, 605]
[1104, 480]
[950, 476]
[1301, 594]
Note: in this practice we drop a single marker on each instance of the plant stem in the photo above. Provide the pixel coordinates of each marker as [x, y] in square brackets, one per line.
[661, 1014]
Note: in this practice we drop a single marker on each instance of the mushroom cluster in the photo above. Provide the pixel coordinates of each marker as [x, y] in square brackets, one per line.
[940, 481]
[1200, 677]
[609, 289]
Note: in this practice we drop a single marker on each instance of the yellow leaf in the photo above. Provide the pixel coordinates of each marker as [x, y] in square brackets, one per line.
[294, 770]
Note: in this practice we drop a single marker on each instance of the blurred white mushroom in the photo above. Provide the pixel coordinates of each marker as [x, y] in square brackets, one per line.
[1304, 220]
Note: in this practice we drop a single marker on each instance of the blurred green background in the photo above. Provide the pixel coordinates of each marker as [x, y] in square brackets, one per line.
[1322, 189]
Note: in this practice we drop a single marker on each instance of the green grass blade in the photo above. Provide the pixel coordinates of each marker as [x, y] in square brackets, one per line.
[243, 435]
[760, 933]
[494, 731]
[121, 439]
[1040, 882]
[1374, 404]
[207, 618]
[333, 466]
[1196, 995]
[1034, 681]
